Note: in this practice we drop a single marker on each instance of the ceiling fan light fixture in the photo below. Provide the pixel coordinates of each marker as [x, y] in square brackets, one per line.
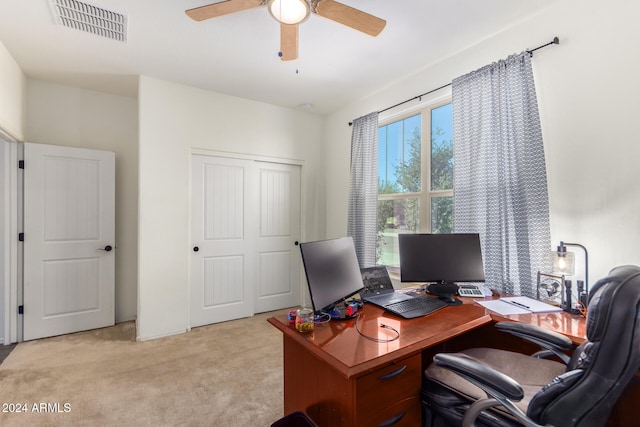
[289, 11]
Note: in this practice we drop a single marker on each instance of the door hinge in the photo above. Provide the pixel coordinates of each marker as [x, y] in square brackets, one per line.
[21, 237]
[20, 164]
[21, 309]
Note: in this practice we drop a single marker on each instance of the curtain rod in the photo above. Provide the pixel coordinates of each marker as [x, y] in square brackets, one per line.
[555, 40]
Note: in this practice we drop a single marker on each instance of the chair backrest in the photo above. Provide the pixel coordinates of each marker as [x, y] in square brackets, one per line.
[604, 364]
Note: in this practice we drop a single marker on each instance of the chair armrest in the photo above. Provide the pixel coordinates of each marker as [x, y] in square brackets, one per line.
[552, 341]
[493, 382]
[501, 388]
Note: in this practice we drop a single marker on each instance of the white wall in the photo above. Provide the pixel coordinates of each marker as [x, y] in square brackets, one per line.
[174, 119]
[63, 115]
[12, 96]
[587, 89]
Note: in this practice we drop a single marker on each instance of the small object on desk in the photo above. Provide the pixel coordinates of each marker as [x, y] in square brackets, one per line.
[518, 305]
[445, 291]
[474, 291]
[582, 295]
[304, 320]
[291, 317]
[569, 303]
[352, 308]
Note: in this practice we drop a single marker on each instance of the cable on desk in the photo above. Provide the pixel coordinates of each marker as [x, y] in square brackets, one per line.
[582, 309]
[322, 318]
[382, 325]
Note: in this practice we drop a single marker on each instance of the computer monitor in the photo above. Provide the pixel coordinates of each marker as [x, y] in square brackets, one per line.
[441, 259]
[332, 270]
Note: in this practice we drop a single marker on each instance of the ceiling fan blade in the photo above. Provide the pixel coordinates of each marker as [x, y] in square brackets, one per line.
[221, 8]
[288, 42]
[350, 17]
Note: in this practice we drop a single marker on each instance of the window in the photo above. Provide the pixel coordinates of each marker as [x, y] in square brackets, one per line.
[415, 190]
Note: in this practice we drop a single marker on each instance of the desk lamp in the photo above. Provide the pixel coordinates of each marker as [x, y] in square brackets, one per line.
[564, 262]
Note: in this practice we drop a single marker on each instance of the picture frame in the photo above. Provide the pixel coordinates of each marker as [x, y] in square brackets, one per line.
[550, 288]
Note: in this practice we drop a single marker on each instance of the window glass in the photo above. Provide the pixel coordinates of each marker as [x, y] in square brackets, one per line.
[407, 164]
[395, 216]
[442, 214]
[399, 156]
[441, 148]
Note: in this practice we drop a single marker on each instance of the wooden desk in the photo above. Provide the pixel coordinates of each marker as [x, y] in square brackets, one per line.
[340, 378]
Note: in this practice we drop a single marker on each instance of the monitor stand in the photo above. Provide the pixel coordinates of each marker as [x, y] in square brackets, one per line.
[445, 291]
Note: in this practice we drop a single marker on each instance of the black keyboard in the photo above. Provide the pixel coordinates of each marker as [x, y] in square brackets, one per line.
[416, 307]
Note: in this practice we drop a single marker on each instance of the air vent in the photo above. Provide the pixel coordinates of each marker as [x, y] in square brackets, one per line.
[94, 20]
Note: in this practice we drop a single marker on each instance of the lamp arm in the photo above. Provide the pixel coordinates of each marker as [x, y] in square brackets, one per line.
[586, 263]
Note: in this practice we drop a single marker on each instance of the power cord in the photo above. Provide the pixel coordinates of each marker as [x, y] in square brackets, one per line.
[582, 309]
[382, 325]
[322, 318]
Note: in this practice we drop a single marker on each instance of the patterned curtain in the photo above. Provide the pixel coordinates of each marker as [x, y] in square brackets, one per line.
[500, 179]
[363, 191]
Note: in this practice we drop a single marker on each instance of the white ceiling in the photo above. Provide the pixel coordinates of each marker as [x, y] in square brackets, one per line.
[238, 54]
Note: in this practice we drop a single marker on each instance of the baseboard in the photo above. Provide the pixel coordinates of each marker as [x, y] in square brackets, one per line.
[168, 334]
[126, 319]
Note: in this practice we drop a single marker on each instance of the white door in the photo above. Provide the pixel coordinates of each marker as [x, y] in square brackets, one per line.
[69, 240]
[245, 225]
[278, 284]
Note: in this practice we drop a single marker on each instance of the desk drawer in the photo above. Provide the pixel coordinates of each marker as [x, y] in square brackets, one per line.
[389, 385]
[405, 413]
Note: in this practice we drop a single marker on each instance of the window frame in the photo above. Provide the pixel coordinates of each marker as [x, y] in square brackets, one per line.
[426, 195]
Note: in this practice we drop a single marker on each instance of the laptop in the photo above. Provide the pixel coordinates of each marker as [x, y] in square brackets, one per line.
[378, 290]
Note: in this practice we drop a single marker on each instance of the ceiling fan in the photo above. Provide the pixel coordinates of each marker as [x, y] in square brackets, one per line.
[292, 12]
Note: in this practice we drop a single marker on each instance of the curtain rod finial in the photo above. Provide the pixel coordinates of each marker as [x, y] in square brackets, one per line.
[556, 40]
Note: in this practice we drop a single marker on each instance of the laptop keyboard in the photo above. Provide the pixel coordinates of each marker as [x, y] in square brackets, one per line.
[423, 305]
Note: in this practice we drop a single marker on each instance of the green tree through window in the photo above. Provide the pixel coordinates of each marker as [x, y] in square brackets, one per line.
[403, 206]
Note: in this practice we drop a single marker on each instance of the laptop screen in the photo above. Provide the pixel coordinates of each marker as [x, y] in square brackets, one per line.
[376, 281]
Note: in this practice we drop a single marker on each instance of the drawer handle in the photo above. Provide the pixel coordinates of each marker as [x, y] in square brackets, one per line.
[393, 420]
[393, 373]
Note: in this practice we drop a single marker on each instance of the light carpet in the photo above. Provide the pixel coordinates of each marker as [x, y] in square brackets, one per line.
[227, 374]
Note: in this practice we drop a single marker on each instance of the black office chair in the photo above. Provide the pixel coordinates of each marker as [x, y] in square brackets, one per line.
[490, 387]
